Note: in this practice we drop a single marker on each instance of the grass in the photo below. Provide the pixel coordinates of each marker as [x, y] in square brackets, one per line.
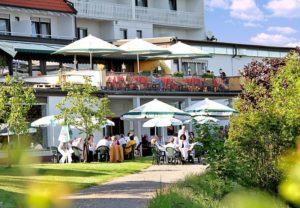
[194, 192]
[14, 181]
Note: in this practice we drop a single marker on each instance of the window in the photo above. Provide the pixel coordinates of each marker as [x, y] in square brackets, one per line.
[82, 32]
[173, 4]
[142, 3]
[4, 24]
[139, 34]
[123, 33]
[40, 27]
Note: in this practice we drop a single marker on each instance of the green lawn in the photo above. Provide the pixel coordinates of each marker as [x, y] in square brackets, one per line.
[14, 181]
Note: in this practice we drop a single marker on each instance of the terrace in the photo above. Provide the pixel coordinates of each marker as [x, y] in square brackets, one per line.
[168, 83]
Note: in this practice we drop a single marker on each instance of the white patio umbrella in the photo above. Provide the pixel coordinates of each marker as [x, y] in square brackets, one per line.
[156, 109]
[181, 50]
[208, 107]
[162, 122]
[45, 122]
[141, 47]
[88, 46]
[205, 119]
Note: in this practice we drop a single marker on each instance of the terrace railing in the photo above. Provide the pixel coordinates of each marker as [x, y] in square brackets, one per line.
[132, 82]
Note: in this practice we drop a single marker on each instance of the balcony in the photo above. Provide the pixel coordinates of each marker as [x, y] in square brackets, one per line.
[103, 11]
[169, 18]
[132, 82]
[112, 11]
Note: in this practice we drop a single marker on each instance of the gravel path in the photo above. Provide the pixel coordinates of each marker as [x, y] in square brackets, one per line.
[133, 191]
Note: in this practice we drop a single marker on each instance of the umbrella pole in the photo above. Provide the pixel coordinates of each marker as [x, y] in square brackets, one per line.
[154, 130]
[75, 62]
[91, 61]
[138, 63]
[52, 135]
[163, 135]
[18, 139]
[179, 64]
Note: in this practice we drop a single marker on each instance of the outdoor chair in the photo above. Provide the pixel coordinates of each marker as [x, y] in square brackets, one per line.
[130, 155]
[55, 154]
[198, 152]
[103, 154]
[172, 155]
[76, 156]
[157, 155]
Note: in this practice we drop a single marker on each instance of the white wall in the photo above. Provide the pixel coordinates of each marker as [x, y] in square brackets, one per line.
[132, 27]
[62, 27]
[93, 26]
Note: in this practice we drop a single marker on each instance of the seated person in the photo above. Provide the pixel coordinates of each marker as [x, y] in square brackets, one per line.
[104, 142]
[145, 145]
[155, 80]
[65, 150]
[121, 139]
[184, 147]
[171, 143]
[115, 151]
[88, 149]
[129, 145]
[154, 141]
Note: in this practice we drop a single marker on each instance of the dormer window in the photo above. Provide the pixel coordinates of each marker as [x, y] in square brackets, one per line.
[41, 27]
[4, 24]
[142, 3]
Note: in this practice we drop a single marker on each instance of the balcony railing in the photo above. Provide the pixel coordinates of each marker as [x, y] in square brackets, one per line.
[112, 11]
[131, 82]
[98, 10]
[169, 18]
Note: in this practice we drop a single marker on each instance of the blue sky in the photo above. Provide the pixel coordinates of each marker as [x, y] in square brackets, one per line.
[263, 22]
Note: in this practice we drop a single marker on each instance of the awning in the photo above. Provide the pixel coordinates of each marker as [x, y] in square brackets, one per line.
[13, 47]
[8, 48]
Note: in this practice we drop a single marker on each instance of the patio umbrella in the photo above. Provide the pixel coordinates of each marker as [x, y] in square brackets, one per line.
[162, 122]
[155, 109]
[45, 122]
[88, 46]
[205, 119]
[141, 47]
[181, 50]
[208, 107]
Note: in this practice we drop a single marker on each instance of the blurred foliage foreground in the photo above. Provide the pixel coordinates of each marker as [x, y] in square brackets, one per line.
[27, 183]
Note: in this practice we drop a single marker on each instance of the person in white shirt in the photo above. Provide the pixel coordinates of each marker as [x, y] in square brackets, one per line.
[121, 139]
[104, 142]
[183, 131]
[171, 143]
[65, 149]
[184, 147]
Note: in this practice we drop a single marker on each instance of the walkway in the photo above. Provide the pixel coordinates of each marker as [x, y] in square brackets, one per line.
[133, 191]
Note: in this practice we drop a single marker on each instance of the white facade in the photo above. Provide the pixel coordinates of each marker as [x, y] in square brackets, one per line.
[105, 18]
[62, 25]
[231, 60]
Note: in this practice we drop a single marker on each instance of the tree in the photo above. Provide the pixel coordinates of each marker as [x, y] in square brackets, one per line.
[268, 123]
[82, 109]
[15, 102]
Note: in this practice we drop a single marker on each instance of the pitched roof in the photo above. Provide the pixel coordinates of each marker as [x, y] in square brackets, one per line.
[49, 5]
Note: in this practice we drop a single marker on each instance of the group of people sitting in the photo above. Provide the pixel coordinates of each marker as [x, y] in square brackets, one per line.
[183, 143]
[113, 148]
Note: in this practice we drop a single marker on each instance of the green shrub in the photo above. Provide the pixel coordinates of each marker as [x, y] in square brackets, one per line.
[178, 74]
[267, 125]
